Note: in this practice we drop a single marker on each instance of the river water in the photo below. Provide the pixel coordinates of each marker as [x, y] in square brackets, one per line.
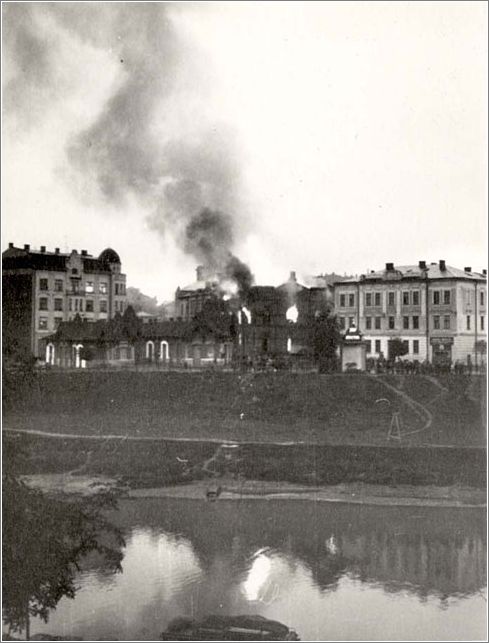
[331, 571]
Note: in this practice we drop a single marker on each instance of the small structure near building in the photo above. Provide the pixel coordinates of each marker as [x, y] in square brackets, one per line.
[353, 351]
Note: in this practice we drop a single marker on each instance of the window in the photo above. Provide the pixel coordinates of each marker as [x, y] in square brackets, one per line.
[120, 289]
[405, 298]
[89, 306]
[482, 322]
[342, 300]
[468, 322]
[74, 271]
[415, 296]
[377, 345]
[392, 299]
[416, 346]
[351, 300]
[482, 298]
[377, 323]
[392, 322]
[102, 288]
[70, 305]
[415, 322]
[103, 306]
[89, 286]
[436, 297]
[436, 322]
[58, 285]
[446, 322]
[446, 297]
[43, 323]
[43, 284]
[58, 304]
[342, 323]
[43, 303]
[378, 300]
[368, 323]
[351, 321]
[368, 299]
[405, 323]
[368, 342]
[57, 321]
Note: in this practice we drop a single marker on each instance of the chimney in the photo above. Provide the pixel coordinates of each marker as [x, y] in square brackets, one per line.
[468, 269]
[422, 265]
[84, 253]
[74, 251]
[27, 247]
[292, 276]
[389, 266]
[442, 265]
[484, 272]
[200, 273]
[43, 248]
[56, 251]
[10, 245]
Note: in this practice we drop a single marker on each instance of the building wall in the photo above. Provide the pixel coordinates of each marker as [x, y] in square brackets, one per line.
[17, 311]
[419, 312]
[59, 295]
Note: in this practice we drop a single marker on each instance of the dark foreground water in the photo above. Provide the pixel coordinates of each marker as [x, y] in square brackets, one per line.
[330, 571]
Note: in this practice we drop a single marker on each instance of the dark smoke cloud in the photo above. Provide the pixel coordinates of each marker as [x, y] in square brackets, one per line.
[189, 183]
[241, 274]
[208, 235]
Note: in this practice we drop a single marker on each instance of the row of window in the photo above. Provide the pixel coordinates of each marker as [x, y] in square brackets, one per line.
[377, 346]
[407, 322]
[74, 304]
[409, 298]
[120, 288]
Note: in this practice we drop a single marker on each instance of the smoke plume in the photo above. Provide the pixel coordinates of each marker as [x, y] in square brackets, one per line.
[153, 141]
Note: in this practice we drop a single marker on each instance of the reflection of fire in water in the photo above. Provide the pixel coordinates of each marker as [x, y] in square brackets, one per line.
[257, 576]
[292, 314]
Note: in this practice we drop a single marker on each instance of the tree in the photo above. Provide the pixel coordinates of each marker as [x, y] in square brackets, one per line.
[326, 336]
[397, 348]
[44, 542]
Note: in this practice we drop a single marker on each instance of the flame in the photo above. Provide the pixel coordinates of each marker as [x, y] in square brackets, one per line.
[229, 287]
[292, 314]
[247, 314]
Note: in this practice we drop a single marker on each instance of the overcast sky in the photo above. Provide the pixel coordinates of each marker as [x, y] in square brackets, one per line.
[337, 136]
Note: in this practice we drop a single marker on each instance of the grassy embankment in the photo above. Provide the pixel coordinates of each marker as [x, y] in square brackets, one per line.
[338, 419]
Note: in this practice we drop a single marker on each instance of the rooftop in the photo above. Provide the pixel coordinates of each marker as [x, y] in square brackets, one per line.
[422, 270]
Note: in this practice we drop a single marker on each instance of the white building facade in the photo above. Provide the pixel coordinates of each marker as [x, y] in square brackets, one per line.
[438, 311]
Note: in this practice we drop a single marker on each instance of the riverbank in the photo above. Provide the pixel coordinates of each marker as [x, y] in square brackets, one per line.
[356, 493]
[339, 409]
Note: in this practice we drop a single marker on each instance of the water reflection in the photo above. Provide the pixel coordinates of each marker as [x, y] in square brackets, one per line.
[330, 571]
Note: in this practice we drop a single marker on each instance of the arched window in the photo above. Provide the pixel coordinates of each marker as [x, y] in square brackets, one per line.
[150, 351]
[79, 362]
[164, 351]
[50, 354]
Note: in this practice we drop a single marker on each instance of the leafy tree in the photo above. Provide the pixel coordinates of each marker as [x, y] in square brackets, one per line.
[44, 542]
[397, 348]
[326, 336]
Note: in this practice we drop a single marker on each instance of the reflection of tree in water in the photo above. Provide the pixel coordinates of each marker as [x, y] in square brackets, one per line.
[414, 549]
[45, 540]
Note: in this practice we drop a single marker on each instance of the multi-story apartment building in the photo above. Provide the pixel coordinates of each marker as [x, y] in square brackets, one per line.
[42, 289]
[438, 311]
